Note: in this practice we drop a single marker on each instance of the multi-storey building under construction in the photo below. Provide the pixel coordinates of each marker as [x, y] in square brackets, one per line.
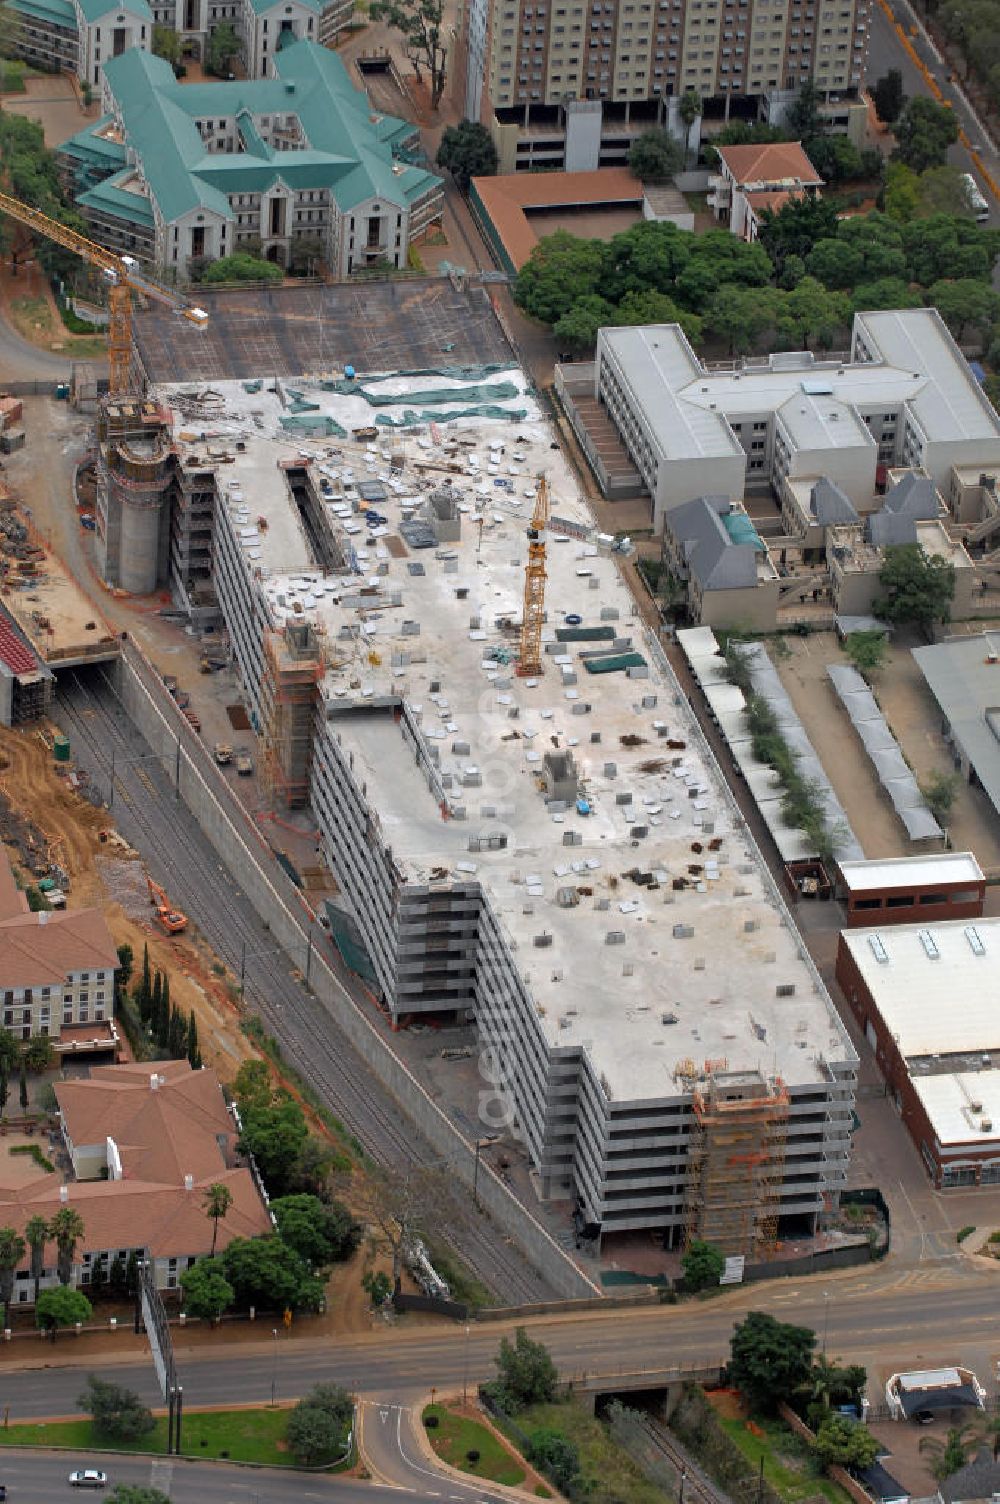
[736, 1161]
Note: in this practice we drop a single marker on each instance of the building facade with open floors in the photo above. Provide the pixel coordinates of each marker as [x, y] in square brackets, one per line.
[556, 858]
[571, 85]
[293, 164]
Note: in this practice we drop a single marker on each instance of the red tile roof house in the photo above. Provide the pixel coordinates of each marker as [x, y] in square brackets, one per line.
[162, 1134]
[751, 179]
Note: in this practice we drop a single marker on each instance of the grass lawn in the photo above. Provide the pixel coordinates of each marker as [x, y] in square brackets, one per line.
[786, 1461]
[454, 1436]
[35, 321]
[242, 1435]
[612, 1476]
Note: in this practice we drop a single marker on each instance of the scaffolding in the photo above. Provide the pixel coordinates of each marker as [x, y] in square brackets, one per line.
[736, 1161]
[293, 668]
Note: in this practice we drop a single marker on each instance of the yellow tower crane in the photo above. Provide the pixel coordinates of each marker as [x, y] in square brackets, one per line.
[123, 275]
[530, 661]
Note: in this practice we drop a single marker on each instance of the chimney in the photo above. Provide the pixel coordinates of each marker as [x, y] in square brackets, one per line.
[154, 1082]
[64, 1194]
[189, 1182]
[43, 916]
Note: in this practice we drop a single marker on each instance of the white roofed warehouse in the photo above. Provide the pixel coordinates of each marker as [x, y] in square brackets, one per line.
[557, 857]
[905, 397]
[925, 996]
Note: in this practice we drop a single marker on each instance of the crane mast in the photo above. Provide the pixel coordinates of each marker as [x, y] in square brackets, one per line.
[122, 277]
[530, 660]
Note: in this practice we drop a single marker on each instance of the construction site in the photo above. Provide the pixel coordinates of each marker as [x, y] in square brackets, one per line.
[442, 663]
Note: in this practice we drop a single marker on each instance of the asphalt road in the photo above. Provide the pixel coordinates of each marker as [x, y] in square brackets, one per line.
[876, 1316]
[41, 1478]
[389, 1439]
[887, 50]
[179, 856]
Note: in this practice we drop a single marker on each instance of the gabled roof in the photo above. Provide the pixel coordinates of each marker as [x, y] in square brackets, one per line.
[712, 555]
[349, 148]
[913, 499]
[42, 950]
[179, 1128]
[111, 198]
[979, 1479]
[774, 162]
[829, 505]
[96, 10]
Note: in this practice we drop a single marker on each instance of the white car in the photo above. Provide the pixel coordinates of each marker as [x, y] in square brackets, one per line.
[88, 1477]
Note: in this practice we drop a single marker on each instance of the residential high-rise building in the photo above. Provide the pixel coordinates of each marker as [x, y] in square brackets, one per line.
[570, 83]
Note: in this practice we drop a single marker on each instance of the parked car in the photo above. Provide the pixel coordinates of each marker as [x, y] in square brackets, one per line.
[88, 1477]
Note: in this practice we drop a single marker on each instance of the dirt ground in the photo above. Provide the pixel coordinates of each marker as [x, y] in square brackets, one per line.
[98, 873]
[913, 719]
[31, 308]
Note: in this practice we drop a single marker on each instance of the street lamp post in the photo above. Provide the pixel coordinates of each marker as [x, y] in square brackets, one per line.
[826, 1317]
[680, 1491]
[465, 1367]
[274, 1369]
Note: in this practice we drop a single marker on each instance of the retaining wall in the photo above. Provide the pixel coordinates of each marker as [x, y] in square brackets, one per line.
[283, 908]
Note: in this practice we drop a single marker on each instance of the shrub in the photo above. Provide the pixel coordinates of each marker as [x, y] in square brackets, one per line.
[965, 1232]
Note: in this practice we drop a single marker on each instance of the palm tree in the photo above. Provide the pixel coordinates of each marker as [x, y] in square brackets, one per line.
[218, 1200]
[12, 1251]
[67, 1229]
[690, 109]
[37, 1234]
[957, 1448]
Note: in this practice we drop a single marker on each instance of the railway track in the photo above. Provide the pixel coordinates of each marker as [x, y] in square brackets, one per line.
[698, 1488]
[178, 855]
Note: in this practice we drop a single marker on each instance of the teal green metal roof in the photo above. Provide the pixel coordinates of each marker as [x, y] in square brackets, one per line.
[96, 10]
[108, 198]
[55, 12]
[348, 152]
[264, 7]
[741, 530]
[90, 144]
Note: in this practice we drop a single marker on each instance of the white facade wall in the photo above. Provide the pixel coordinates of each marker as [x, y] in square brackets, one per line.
[114, 32]
[85, 997]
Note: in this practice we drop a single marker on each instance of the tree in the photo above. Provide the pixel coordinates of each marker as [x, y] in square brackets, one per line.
[526, 1373]
[703, 1264]
[880, 241]
[969, 307]
[36, 1235]
[804, 119]
[320, 1425]
[467, 151]
[838, 160]
[577, 329]
[222, 46]
[143, 994]
[321, 1234]
[943, 190]
[266, 1272]
[167, 44]
[835, 264]
[919, 587]
[647, 257]
[843, 1442]
[312, 1170]
[67, 1229]
[556, 1456]
[797, 227]
[61, 1306]
[717, 257]
[207, 1292]
[9, 1050]
[690, 109]
[924, 133]
[252, 1085]
[886, 292]
[4, 1086]
[652, 307]
[117, 1413]
[957, 1448]
[126, 955]
[177, 1034]
[812, 315]
[38, 1054]
[655, 156]
[769, 1359]
[560, 270]
[274, 1135]
[867, 650]
[377, 1286]
[901, 193]
[217, 1200]
[419, 23]
[940, 791]
[12, 1251]
[949, 246]
[243, 268]
[400, 1205]
[888, 97]
[156, 1011]
[22, 1093]
[192, 1049]
[305, 255]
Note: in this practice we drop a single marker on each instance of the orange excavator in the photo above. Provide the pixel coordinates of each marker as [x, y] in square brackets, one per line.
[172, 920]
